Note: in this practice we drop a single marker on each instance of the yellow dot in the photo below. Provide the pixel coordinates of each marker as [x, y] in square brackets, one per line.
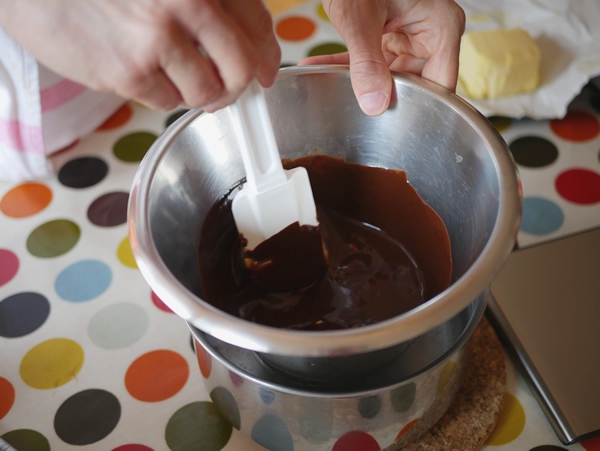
[125, 254]
[321, 12]
[510, 422]
[52, 363]
[444, 377]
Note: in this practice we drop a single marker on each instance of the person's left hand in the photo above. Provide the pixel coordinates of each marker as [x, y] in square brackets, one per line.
[421, 37]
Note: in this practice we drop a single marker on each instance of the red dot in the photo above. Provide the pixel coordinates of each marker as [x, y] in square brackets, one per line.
[295, 28]
[156, 375]
[580, 186]
[9, 265]
[204, 360]
[133, 447]
[160, 304]
[576, 126]
[7, 397]
[406, 428]
[591, 444]
[356, 441]
[236, 379]
[119, 118]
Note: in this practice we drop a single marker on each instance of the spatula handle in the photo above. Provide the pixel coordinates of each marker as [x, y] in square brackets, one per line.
[257, 140]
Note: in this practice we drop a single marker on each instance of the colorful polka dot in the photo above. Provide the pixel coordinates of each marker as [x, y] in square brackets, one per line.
[22, 314]
[118, 326]
[236, 379]
[25, 200]
[511, 422]
[541, 216]
[133, 447]
[295, 28]
[53, 238]
[83, 281]
[131, 148]
[26, 440]
[406, 428]
[125, 254]
[356, 441]
[156, 376]
[183, 434]
[327, 49]
[87, 417]
[227, 406]
[591, 444]
[316, 419]
[266, 395]
[576, 126]
[159, 303]
[533, 151]
[118, 119]
[51, 363]
[204, 360]
[9, 266]
[271, 432]
[369, 407]
[7, 397]
[445, 376]
[403, 397]
[173, 117]
[501, 123]
[83, 172]
[548, 448]
[580, 186]
[321, 12]
[109, 210]
[66, 148]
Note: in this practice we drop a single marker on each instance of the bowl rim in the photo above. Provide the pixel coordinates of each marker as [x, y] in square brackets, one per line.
[387, 333]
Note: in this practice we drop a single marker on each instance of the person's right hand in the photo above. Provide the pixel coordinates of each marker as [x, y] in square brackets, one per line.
[148, 50]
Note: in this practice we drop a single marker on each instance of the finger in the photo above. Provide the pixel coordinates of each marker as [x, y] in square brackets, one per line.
[361, 26]
[155, 91]
[257, 24]
[194, 76]
[336, 58]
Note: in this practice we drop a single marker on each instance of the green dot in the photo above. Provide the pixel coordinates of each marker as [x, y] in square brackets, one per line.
[132, 147]
[328, 48]
[26, 439]
[227, 406]
[53, 238]
[182, 432]
[500, 122]
[403, 397]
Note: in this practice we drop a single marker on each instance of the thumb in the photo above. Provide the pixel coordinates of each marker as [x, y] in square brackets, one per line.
[361, 27]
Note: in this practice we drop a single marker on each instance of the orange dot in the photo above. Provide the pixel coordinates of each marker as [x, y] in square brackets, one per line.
[204, 360]
[295, 28]
[7, 397]
[156, 376]
[25, 200]
[406, 428]
[576, 126]
[591, 444]
[119, 118]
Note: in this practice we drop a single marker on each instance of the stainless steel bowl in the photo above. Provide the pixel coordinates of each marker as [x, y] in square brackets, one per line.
[454, 158]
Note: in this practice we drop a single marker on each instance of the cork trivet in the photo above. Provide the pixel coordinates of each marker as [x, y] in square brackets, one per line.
[472, 415]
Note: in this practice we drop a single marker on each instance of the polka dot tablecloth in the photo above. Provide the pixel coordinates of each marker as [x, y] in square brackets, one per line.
[92, 359]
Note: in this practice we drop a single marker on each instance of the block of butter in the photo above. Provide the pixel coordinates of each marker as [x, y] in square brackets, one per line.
[498, 63]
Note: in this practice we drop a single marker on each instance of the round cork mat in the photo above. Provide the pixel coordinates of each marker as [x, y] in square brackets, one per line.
[472, 415]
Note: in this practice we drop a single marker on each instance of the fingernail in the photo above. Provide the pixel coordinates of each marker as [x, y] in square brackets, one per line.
[373, 103]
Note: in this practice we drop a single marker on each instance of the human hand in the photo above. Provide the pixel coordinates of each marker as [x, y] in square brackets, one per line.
[147, 50]
[421, 37]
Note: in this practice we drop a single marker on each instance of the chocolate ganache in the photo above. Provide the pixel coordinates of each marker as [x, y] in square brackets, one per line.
[386, 253]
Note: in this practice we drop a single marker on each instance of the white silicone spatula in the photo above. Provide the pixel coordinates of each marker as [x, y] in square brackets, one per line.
[272, 198]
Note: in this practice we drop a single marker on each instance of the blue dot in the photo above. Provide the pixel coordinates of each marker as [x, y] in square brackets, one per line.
[271, 432]
[83, 281]
[369, 407]
[267, 396]
[541, 216]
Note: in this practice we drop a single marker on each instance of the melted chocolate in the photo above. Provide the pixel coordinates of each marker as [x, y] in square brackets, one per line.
[387, 252]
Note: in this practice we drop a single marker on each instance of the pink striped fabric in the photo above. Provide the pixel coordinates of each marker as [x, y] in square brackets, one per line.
[19, 136]
[62, 92]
